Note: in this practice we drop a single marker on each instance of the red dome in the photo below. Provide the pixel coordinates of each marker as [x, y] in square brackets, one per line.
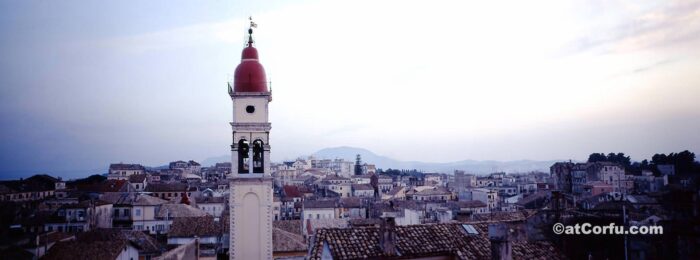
[249, 53]
[250, 74]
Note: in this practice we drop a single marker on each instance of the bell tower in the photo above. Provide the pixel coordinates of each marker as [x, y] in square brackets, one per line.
[250, 202]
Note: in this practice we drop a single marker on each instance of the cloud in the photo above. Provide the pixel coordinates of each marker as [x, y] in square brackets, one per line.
[645, 68]
[675, 23]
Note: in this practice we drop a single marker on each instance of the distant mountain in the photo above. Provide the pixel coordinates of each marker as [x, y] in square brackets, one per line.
[214, 160]
[470, 166]
[349, 154]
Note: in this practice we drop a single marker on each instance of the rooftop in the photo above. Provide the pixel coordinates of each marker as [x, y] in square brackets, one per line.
[101, 244]
[422, 241]
[166, 187]
[287, 237]
[362, 187]
[319, 204]
[201, 226]
[125, 166]
[179, 211]
[137, 178]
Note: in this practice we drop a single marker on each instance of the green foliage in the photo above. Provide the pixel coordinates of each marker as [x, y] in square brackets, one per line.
[684, 162]
[611, 157]
[397, 172]
[92, 179]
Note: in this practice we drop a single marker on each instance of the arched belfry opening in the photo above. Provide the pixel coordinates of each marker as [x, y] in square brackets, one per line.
[258, 157]
[243, 157]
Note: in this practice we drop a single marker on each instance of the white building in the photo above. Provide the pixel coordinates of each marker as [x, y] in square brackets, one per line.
[318, 209]
[138, 182]
[84, 216]
[386, 183]
[122, 171]
[143, 214]
[362, 190]
[407, 216]
[361, 179]
[433, 178]
[190, 167]
[487, 196]
[213, 206]
[339, 185]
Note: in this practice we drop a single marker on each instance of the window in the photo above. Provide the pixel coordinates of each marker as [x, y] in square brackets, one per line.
[243, 156]
[137, 212]
[258, 156]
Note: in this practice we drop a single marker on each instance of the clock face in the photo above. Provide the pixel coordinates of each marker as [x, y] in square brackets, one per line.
[250, 109]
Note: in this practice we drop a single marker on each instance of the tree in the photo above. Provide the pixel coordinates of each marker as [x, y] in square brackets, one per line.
[684, 162]
[597, 157]
[611, 157]
[358, 165]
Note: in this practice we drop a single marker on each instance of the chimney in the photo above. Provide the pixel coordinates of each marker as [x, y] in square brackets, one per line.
[387, 234]
[501, 246]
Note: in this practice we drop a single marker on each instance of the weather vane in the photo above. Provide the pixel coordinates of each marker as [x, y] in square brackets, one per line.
[252, 24]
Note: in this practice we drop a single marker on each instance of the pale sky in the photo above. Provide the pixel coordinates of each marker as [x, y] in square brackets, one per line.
[88, 83]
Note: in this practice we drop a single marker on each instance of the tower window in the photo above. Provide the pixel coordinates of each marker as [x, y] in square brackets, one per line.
[250, 109]
[258, 157]
[243, 148]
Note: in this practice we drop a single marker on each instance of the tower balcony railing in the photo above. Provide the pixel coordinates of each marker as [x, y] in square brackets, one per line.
[268, 86]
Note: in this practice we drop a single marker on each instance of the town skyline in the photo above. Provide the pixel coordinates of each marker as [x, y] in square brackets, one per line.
[390, 129]
[149, 87]
[348, 154]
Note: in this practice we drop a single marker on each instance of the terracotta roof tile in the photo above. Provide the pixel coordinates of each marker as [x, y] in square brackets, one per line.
[320, 203]
[422, 241]
[203, 226]
[287, 237]
[96, 244]
[166, 187]
[179, 211]
[291, 191]
[137, 178]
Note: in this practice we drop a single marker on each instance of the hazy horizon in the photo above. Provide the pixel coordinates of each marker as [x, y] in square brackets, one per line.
[226, 158]
[89, 83]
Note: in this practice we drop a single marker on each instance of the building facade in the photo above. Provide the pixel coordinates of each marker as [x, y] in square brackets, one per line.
[250, 182]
